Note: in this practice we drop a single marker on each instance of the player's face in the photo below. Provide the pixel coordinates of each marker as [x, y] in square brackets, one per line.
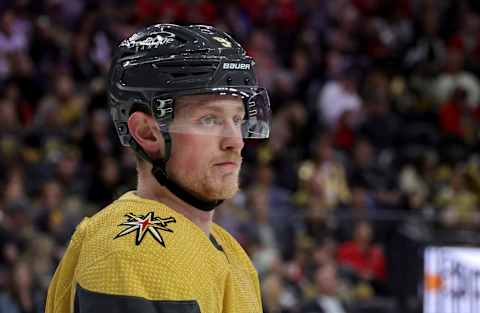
[207, 144]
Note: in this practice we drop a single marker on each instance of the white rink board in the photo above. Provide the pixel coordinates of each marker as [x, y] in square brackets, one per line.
[452, 280]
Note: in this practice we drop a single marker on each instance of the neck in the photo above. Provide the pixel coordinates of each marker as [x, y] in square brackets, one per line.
[149, 188]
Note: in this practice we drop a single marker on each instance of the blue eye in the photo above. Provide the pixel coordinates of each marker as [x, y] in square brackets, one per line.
[210, 120]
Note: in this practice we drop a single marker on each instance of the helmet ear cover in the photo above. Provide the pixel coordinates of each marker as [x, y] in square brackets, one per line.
[163, 112]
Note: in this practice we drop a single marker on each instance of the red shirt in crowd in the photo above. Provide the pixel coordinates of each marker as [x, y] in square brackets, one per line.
[369, 263]
[451, 119]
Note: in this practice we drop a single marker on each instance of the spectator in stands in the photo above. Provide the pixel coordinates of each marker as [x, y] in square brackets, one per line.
[30, 86]
[327, 292]
[380, 180]
[323, 185]
[10, 252]
[42, 255]
[8, 117]
[380, 125]
[364, 258]
[68, 169]
[466, 37]
[457, 119]
[262, 48]
[417, 180]
[285, 149]
[97, 140]
[50, 218]
[84, 69]
[428, 48]
[7, 302]
[342, 36]
[23, 291]
[456, 76]
[339, 95]
[325, 175]
[323, 252]
[106, 181]
[277, 297]
[14, 33]
[360, 207]
[274, 203]
[64, 109]
[458, 203]
[14, 189]
[232, 216]
[258, 227]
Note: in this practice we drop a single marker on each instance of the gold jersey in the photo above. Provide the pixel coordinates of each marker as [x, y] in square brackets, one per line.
[138, 255]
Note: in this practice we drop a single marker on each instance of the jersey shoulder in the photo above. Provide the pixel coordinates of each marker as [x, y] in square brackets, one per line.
[141, 247]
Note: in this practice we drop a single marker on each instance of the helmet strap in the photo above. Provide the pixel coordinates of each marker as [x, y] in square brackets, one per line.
[159, 171]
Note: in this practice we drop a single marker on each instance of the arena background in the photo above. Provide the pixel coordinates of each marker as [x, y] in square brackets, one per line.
[375, 138]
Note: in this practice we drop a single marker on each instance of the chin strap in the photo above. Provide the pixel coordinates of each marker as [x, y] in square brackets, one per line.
[159, 171]
[160, 174]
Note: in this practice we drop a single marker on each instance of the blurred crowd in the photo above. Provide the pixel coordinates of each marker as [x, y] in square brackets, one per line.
[376, 126]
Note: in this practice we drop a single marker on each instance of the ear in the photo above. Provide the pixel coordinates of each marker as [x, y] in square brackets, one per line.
[145, 131]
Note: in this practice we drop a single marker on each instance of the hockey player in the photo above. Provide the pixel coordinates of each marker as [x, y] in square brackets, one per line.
[183, 98]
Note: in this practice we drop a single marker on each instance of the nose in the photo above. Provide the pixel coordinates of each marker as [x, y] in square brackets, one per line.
[232, 139]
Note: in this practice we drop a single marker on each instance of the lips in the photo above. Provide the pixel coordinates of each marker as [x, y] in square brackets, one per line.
[228, 165]
[232, 165]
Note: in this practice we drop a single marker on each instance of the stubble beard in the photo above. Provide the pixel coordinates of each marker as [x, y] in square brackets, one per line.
[221, 188]
[211, 186]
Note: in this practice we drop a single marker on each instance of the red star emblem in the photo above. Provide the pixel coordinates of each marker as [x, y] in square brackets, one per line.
[146, 223]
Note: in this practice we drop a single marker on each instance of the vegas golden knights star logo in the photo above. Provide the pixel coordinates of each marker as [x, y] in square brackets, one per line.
[143, 224]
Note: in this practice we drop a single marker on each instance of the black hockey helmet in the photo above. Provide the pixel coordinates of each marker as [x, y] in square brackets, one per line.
[155, 66]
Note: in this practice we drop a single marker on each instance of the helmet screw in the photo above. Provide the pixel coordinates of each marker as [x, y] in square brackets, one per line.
[168, 82]
[246, 80]
[229, 80]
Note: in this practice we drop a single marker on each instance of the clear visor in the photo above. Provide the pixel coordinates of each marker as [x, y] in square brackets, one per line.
[224, 112]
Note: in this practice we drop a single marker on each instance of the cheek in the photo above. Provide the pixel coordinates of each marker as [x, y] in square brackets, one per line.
[190, 153]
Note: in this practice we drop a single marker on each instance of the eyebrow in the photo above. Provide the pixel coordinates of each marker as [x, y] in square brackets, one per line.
[194, 106]
[217, 108]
